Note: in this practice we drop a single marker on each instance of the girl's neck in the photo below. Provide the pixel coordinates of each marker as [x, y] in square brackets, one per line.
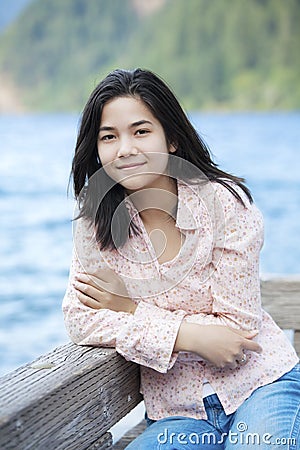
[156, 204]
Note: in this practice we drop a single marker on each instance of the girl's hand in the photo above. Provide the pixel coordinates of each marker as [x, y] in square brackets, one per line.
[103, 289]
[222, 346]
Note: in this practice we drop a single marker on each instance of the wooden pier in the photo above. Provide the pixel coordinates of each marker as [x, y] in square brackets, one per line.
[70, 398]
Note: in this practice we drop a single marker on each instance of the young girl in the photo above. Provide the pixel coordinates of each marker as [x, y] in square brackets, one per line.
[166, 270]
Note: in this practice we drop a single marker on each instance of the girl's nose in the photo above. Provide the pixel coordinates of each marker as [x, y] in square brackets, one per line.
[127, 149]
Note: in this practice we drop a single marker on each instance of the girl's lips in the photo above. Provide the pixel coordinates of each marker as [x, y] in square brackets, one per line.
[131, 166]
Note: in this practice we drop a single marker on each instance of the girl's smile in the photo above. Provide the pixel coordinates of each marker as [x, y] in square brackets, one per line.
[131, 166]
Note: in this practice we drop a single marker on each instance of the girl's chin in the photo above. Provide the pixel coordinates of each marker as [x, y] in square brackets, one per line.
[137, 182]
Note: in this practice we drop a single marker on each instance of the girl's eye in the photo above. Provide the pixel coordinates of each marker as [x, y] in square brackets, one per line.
[142, 131]
[107, 137]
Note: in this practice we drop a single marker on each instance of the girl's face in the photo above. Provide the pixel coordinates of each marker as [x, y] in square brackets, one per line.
[132, 145]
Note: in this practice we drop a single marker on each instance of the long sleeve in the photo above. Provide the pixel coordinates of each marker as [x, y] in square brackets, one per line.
[146, 337]
[150, 338]
[87, 326]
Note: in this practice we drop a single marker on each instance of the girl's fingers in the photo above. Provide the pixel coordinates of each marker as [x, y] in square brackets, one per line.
[252, 345]
[89, 290]
[88, 301]
[91, 280]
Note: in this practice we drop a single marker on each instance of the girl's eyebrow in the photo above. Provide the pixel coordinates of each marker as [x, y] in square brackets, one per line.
[133, 125]
[106, 128]
[140, 122]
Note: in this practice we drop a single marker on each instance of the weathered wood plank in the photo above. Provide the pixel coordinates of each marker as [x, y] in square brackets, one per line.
[103, 443]
[281, 298]
[297, 342]
[68, 405]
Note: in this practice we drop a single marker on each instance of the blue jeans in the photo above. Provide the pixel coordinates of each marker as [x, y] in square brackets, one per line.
[268, 419]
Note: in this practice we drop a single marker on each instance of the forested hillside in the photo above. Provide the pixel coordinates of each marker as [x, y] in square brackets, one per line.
[9, 10]
[224, 54]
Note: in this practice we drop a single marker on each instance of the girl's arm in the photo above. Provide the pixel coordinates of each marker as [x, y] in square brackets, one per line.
[220, 345]
[151, 334]
[87, 326]
[110, 326]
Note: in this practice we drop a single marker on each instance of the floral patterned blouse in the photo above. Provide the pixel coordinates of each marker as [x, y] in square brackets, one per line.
[214, 279]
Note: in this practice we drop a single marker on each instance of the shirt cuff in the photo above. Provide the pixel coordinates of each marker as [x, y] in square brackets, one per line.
[149, 337]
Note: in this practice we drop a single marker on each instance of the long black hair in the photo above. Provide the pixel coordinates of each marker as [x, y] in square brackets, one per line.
[100, 196]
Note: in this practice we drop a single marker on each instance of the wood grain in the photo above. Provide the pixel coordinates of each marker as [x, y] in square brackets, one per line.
[69, 406]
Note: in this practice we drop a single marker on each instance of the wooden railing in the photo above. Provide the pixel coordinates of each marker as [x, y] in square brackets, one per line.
[69, 398]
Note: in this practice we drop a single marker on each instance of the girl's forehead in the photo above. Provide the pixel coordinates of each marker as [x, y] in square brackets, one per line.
[126, 108]
[125, 101]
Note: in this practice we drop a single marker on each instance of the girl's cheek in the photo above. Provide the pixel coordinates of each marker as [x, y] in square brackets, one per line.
[102, 158]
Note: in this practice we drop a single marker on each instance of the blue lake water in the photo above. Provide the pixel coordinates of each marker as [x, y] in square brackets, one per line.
[35, 226]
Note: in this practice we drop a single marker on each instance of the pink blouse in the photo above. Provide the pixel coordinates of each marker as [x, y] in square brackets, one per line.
[213, 280]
